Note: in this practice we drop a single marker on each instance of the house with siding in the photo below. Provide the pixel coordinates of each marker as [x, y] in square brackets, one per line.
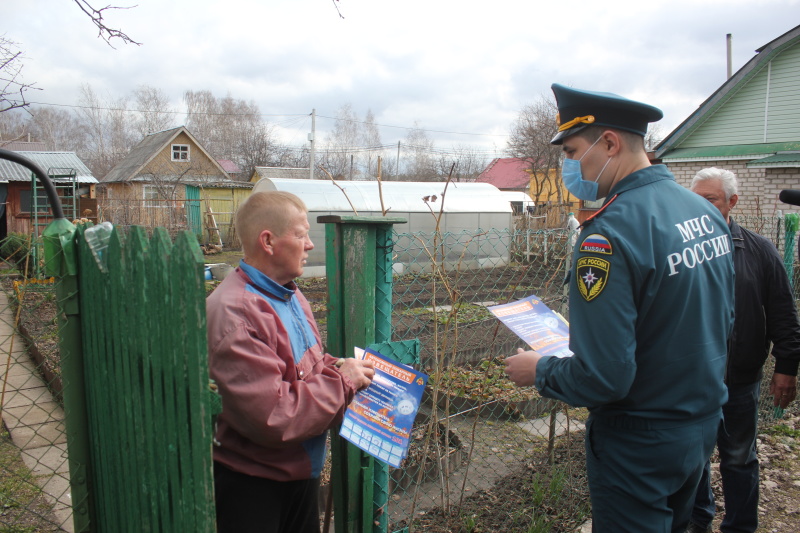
[750, 125]
[160, 183]
[24, 205]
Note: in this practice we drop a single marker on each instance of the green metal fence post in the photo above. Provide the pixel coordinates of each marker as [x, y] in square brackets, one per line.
[359, 313]
[77, 426]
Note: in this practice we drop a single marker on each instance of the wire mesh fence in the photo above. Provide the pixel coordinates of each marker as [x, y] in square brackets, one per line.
[34, 472]
[486, 455]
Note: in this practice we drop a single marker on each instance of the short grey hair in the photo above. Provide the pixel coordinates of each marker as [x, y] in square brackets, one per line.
[730, 185]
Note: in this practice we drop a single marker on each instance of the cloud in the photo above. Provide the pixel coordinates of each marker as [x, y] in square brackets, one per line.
[451, 65]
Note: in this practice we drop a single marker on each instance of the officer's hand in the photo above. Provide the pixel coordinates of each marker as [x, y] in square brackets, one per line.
[783, 389]
[521, 368]
[360, 372]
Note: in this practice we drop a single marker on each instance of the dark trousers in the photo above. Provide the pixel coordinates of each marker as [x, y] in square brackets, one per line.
[738, 465]
[247, 504]
[643, 474]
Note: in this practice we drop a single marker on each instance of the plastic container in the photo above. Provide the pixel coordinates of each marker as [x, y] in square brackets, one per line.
[97, 238]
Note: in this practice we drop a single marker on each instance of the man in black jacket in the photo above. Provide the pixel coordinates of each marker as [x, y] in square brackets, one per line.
[765, 313]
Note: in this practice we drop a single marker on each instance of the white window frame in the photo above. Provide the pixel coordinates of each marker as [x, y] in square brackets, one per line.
[180, 153]
[152, 192]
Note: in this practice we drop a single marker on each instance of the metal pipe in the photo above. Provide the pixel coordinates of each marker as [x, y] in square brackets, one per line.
[728, 38]
[44, 179]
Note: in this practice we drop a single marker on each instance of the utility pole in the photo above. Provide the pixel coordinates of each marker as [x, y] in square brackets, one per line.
[397, 167]
[311, 137]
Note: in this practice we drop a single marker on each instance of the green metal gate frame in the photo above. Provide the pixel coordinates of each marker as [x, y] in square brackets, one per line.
[359, 272]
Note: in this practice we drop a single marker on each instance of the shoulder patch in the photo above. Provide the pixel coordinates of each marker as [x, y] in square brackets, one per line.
[596, 243]
[592, 276]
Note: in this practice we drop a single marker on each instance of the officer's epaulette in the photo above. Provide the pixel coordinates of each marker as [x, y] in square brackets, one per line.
[597, 213]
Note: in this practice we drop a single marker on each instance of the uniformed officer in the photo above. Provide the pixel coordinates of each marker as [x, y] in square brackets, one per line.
[651, 308]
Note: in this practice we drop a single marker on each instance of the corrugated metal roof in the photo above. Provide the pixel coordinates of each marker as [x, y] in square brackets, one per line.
[785, 160]
[280, 173]
[27, 146]
[398, 196]
[51, 162]
[229, 184]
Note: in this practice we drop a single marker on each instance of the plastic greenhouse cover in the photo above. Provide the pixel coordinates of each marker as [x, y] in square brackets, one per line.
[398, 196]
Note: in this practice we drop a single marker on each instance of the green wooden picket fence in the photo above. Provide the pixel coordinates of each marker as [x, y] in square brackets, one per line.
[149, 405]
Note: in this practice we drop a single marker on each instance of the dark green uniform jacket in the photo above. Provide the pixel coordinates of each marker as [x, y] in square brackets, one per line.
[651, 305]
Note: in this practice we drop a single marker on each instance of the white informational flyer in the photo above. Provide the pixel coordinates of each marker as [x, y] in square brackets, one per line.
[380, 417]
[539, 326]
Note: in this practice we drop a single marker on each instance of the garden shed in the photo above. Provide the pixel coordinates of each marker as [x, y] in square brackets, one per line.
[477, 209]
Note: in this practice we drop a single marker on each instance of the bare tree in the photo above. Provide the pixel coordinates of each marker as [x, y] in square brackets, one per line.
[109, 131]
[371, 139]
[58, 129]
[103, 31]
[421, 166]
[12, 126]
[155, 112]
[256, 147]
[286, 156]
[530, 140]
[339, 156]
[469, 163]
[12, 88]
[654, 136]
[201, 108]
[230, 129]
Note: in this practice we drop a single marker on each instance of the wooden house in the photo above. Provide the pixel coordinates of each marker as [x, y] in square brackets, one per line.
[750, 125]
[159, 183]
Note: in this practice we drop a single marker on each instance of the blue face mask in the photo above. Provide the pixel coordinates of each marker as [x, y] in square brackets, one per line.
[573, 177]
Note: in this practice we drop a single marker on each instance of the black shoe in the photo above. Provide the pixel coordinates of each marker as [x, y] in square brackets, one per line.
[694, 528]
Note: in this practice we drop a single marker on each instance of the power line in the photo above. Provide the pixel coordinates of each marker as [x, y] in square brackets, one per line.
[170, 112]
[414, 128]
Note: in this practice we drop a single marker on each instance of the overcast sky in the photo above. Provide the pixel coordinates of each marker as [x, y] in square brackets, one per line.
[460, 69]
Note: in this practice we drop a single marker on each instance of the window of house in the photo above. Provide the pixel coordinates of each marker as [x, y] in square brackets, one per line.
[180, 152]
[156, 196]
[26, 201]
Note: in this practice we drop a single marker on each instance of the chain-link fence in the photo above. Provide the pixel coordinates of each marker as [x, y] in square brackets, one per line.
[34, 472]
[486, 456]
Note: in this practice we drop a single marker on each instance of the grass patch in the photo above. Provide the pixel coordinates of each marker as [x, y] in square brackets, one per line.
[23, 508]
[783, 430]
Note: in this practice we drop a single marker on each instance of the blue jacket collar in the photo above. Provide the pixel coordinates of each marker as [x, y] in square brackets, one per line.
[266, 284]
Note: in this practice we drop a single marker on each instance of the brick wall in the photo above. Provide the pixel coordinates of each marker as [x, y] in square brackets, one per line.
[758, 187]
